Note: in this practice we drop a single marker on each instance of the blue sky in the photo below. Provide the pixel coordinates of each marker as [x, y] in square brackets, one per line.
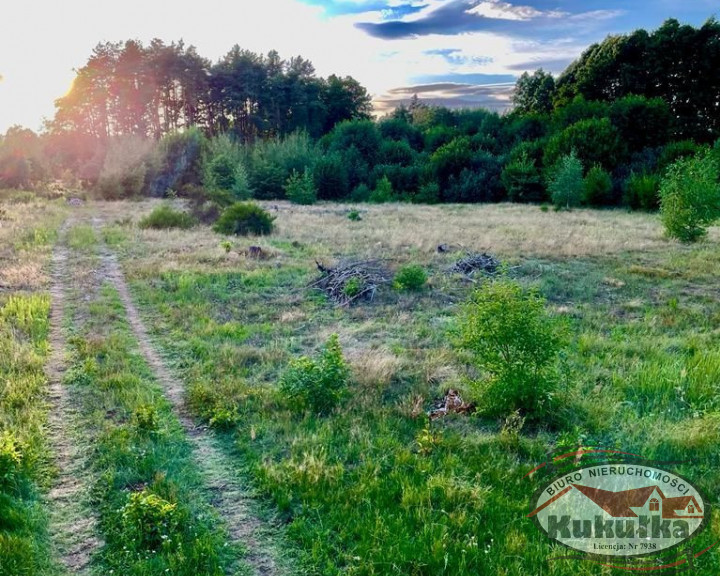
[454, 52]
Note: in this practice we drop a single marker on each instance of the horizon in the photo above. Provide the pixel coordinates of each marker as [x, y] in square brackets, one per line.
[455, 53]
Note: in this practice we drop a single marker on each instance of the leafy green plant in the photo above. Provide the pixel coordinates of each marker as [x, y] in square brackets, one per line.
[690, 197]
[244, 218]
[227, 246]
[521, 179]
[515, 343]
[224, 170]
[354, 216]
[566, 184]
[383, 191]
[146, 419]
[165, 217]
[353, 287]
[317, 383]
[10, 457]
[642, 191]
[597, 187]
[150, 518]
[410, 278]
[300, 188]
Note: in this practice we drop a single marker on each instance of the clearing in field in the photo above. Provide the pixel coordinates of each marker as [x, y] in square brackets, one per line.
[229, 418]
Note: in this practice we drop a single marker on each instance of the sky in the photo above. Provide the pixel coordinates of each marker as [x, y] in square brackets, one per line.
[459, 53]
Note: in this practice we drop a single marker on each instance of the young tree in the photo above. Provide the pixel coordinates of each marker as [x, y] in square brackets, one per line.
[690, 197]
[566, 184]
[534, 93]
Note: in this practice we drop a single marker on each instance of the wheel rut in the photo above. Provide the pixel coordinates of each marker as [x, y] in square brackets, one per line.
[72, 524]
[229, 496]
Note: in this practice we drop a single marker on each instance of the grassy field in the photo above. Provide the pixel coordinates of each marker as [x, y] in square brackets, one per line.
[373, 487]
[27, 232]
[370, 489]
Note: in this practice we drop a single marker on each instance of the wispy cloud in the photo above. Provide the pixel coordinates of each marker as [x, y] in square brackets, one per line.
[464, 16]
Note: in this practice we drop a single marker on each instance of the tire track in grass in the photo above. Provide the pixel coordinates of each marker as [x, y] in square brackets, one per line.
[230, 498]
[73, 526]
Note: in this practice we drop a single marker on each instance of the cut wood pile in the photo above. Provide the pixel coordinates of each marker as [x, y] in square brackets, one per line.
[471, 263]
[350, 282]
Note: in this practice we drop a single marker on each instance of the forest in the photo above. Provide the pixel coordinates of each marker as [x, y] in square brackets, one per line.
[161, 120]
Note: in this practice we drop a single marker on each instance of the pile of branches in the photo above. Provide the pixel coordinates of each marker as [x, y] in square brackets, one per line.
[350, 282]
[471, 263]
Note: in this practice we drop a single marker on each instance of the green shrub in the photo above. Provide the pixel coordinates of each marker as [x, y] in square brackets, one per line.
[522, 181]
[411, 277]
[244, 218]
[300, 189]
[354, 216]
[597, 187]
[331, 177]
[361, 193]
[165, 217]
[515, 343]
[178, 163]
[353, 287]
[566, 185]
[642, 191]
[10, 457]
[429, 193]
[690, 197]
[148, 519]
[383, 191]
[146, 419]
[317, 383]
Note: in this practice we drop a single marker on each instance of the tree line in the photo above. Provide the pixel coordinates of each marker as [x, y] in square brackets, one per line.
[603, 133]
[131, 89]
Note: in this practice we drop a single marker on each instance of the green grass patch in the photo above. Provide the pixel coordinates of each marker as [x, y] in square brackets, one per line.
[153, 515]
[24, 459]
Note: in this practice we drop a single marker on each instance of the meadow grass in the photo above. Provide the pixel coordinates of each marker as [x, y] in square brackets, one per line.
[154, 517]
[374, 487]
[26, 229]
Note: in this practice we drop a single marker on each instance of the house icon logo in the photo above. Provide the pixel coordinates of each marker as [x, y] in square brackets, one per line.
[619, 510]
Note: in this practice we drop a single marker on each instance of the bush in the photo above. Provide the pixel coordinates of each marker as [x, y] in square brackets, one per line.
[331, 177]
[512, 339]
[383, 191]
[243, 218]
[597, 187]
[10, 458]
[354, 216]
[566, 185]
[224, 173]
[125, 168]
[642, 191]
[271, 163]
[690, 197]
[429, 193]
[522, 181]
[317, 383]
[179, 162]
[301, 189]
[150, 519]
[411, 278]
[165, 217]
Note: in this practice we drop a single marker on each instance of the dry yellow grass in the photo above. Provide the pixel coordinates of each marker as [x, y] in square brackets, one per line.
[396, 230]
[24, 225]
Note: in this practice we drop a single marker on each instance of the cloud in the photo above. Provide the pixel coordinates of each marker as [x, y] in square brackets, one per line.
[476, 79]
[463, 16]
[496, 97]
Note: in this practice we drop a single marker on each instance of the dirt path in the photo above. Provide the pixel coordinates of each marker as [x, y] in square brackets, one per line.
[72, 523]
[230, 497]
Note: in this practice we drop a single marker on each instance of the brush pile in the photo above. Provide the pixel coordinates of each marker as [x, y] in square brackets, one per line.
[349, 282]
[471, 263]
